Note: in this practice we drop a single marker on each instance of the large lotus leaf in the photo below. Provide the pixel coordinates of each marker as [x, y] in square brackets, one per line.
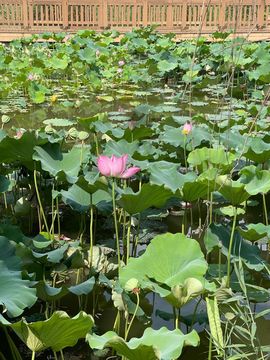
[258, 150]
[169, 259]
[148, 196]
[5, 184]
[257, 181]
[91, 181]
[175, 137]
[233, 191]
[167, 174]
[49, 293]
[192, 191]
[8, 254]
[80, 199]
[58, 332]
[206, 157]
[15, 293]
[234, 140]
[20, 150]
[121, 147]
[13, 233]
[62, 165]
[255, 232]
[249, 254]
[53, 256]
[154, 344]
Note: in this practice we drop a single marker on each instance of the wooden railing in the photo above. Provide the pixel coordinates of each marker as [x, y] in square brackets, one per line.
[171, 15]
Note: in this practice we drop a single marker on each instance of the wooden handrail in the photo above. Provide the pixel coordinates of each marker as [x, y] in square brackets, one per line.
[178, 16]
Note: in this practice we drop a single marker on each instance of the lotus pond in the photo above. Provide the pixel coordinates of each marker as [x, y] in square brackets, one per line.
[134, 203]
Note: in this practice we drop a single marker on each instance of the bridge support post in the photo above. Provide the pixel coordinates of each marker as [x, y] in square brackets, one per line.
[25, 14]
[65, 14]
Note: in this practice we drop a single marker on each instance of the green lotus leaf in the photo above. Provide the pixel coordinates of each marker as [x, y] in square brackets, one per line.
[233, 191]
[58, 332]
[167, 174]
[257, 181]
[5, 184]
[15, 293]
[53, 256]
[62, 165]
[154, 344]
[20, 150]
[192, 191]
[229, 211]
[205, 158]
[80, 200]
[59, 122]
[258, 150]
[121, 147]
[249, 254]
[254, 232]
[181, 259]
[8, 254]
[49, 293]
[148, 196]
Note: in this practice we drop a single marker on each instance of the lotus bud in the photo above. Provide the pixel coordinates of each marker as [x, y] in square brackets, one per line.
[187, 128]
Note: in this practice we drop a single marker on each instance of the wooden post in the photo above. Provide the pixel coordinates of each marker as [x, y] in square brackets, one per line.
[145, 12]
[222, 14]
[25, 19]
[261, 13]
[65, 14]
[184, 14]
[31, 14]
[170, 15]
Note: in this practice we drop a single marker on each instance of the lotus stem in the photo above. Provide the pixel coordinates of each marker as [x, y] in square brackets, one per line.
[133, 317]
[230, 248]
[33, 355]
[58, 217]
[53, 217]
[176, 313]
[90, 259]
[55, 355]
[210, 349]
[185, 153]
[265, 210]
[128, 239]
[116, 322]
[115, 224]
[62, 355]
[40, 204]
[211, 209]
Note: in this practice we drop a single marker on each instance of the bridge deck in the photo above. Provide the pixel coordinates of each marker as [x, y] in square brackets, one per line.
[185, 18]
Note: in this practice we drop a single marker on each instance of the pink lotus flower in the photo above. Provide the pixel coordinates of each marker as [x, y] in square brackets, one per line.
[187, 128]
[116, 167]
[121, 63]
[119, 70]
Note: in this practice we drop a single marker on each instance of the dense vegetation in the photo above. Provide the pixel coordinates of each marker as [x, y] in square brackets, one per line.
[134, 174]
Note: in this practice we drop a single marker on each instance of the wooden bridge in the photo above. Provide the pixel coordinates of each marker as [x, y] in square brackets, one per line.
[186, 18]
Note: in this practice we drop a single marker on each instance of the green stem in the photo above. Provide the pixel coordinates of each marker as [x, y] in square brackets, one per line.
[211, 209]
[90, 260]
[40, 204]
[265, 210]
[62, 355]
[133, 317]
[230, 248]
[115, 224]
[185, 154]
[117, 322]
[33, 355]
[210, 349]
[128, 239]
[58, 218]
